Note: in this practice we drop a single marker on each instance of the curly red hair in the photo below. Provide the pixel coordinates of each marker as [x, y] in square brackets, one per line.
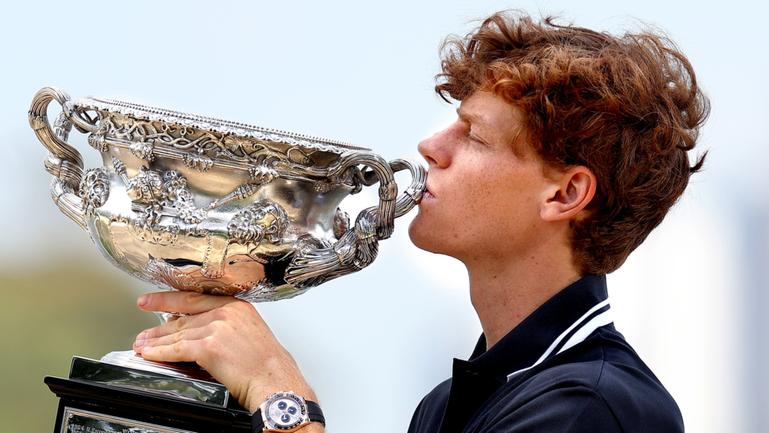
[628, 108]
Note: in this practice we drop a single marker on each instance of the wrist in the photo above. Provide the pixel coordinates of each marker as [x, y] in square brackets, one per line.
[287, 411]
[313, 427]
[259, 394]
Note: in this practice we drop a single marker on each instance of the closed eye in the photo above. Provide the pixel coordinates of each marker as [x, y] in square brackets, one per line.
[476, 138]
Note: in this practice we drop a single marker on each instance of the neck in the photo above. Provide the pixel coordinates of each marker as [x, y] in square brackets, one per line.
[506, 290]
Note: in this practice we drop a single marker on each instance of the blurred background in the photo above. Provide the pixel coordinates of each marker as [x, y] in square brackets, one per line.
[691, 299]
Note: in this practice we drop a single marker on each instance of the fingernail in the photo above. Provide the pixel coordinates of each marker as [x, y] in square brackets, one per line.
[142, 300]
[139, 343]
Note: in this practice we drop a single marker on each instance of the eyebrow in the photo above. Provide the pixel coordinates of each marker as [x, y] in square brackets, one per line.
[472, 117]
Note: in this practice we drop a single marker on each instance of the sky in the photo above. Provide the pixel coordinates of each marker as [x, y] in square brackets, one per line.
[690, 299]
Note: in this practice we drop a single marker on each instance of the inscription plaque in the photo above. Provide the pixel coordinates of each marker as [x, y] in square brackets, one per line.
[83, 421]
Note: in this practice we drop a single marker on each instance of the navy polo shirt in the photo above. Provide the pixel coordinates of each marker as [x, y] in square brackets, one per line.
[564, 368]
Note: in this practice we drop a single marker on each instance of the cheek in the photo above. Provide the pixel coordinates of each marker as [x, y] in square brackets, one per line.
[501, 203]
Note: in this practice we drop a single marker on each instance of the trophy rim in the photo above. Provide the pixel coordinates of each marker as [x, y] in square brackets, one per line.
[146, 112]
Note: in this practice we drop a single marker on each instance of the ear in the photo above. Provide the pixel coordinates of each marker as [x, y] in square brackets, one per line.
[569, 194]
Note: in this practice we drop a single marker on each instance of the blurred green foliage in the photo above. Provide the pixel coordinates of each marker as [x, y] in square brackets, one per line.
[51, 313]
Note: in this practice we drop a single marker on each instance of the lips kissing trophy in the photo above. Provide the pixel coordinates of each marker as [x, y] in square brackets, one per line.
[206, 205]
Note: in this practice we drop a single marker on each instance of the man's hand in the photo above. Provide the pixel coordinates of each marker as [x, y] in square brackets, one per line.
[229, 339]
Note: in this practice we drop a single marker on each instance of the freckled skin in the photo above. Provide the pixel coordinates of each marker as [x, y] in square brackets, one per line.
[485, 196]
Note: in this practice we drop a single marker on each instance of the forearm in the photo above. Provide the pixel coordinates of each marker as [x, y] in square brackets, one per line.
[229, 339]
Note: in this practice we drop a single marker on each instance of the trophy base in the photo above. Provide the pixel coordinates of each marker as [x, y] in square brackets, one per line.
[99, 397]
[129, 359]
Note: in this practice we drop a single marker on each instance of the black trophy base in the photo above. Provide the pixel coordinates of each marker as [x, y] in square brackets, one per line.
[89, 406]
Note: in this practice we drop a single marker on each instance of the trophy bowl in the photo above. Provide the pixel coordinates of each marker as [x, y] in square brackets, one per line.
[205, 205]
[218, 207]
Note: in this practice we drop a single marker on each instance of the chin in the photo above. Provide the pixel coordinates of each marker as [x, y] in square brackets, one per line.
[418, 235]
[425, 237]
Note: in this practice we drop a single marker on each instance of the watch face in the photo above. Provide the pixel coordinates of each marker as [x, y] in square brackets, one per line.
[285, 411]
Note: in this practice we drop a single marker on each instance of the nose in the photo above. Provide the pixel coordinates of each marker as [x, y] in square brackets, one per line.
[435, 149]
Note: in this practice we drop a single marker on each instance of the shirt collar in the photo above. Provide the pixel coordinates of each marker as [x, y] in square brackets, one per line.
[561, 322]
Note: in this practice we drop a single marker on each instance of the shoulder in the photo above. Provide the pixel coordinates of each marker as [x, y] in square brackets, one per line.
[601, 385]
[430, 410]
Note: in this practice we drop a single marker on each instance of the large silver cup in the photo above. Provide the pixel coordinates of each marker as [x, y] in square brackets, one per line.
[199, 204]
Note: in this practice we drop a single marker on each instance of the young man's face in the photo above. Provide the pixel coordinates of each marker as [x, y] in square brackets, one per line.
[482, 200]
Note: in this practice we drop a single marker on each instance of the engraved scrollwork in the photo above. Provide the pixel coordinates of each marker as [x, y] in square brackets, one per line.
[241, 146]
[263, 220]
[198, 148]
[94, 189]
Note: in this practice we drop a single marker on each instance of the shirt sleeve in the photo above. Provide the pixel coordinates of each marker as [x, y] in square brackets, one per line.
[563, 410]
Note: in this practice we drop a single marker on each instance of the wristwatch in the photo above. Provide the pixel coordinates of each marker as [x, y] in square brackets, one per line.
[285, 412]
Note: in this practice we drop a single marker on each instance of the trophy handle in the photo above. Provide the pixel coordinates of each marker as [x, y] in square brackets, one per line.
[64, 162]
[413, 194]
[358, 246]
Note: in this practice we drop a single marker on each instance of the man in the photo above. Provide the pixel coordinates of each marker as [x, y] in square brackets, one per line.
[570, 146]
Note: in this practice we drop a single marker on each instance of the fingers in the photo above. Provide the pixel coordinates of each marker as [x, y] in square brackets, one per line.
[180, 351]
[182, 302]
[217, 321]
[180, 323]
[145, 340]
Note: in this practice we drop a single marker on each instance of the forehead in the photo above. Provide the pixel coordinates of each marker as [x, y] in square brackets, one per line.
[488, 109]
[496, 118]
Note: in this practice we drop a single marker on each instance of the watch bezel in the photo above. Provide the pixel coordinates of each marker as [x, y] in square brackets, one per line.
[273, 425]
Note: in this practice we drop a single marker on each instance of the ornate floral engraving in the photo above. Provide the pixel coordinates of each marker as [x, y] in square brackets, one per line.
[155, 234]
[198, 162]
[94, 189]
[264, 219]
[162, 193]
[144, 112]
[201, 148]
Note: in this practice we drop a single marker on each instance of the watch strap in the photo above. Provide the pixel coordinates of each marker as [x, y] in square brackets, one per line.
[314, 414]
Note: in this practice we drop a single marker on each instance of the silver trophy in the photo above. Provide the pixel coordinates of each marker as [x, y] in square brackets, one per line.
[199, 204]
